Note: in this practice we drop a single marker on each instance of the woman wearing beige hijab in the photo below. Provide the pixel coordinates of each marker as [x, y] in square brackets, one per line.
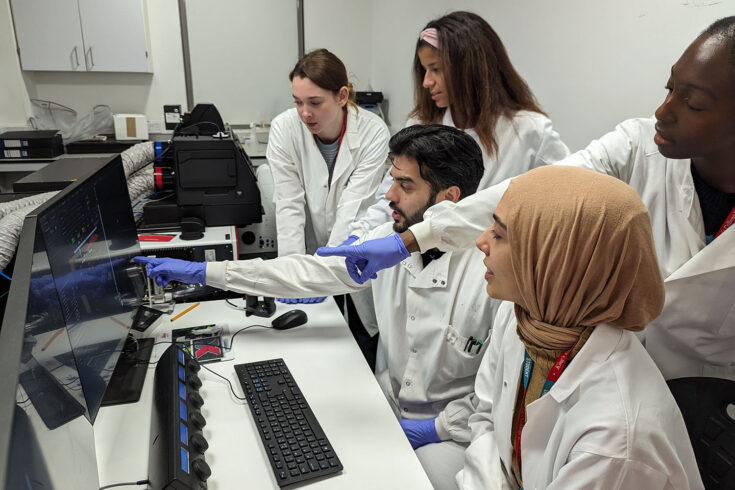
[567, 396]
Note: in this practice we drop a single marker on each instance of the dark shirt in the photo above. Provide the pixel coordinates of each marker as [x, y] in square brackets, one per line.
[430, 255]
[716, 205]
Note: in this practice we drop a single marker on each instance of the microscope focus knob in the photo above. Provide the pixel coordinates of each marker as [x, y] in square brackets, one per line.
[248, 238]
[193, 366]
[201, 469]
[193, 381]
[195, 399]
[197, 419]
[199, 442]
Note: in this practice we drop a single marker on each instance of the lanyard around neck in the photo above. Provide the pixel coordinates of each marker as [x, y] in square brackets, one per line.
[729, 221]
[551, 378]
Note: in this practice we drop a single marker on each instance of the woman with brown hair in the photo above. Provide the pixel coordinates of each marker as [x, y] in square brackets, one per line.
[326, 156]
[327, 159]
[464, 78]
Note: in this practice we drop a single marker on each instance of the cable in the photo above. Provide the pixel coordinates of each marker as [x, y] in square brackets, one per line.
[242, 308]
[228, 382]
[158, 158]
[186, 129]
[232, 339]
[142, 199]
[139, 363]
[6, 276]
[139, 482]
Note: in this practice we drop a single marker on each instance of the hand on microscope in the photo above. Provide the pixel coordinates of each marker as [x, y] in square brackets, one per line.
[164, 270]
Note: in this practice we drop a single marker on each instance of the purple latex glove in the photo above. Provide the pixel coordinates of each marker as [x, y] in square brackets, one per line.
[165, 270]
[419, 432]
[363, 261]
[293, 301]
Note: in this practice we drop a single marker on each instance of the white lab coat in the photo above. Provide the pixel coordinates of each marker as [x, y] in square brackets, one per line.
[609, 422]
[309, 212]
[425, 318]
[695, 334]
[525, 141]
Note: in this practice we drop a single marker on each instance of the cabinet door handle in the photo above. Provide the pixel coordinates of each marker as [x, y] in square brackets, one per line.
[75, 52]
[91, 58]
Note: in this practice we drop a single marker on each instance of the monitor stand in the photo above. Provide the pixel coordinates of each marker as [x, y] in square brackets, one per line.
[127, 379]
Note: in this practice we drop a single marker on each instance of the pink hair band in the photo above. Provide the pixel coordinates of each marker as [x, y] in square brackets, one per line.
[431, 36]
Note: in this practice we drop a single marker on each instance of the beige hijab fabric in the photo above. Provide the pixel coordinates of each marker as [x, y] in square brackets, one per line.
[583, 254]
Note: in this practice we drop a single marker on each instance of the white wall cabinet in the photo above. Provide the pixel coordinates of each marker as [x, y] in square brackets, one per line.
[81, 35]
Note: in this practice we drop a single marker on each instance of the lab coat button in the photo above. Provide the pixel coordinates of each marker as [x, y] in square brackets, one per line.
[325, 186]
[414, 350]
[505, 384]
[408, 383]
[434, 281]
[443, 283]
[413, 317]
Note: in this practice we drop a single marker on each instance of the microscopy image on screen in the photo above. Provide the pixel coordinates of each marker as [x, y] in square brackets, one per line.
[90, 238]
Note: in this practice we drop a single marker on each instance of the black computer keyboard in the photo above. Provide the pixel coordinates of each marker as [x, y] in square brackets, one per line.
[294, 441]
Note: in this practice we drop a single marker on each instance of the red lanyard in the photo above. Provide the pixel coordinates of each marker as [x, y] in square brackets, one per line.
[342, 133]
[729, 221]
[551, 378]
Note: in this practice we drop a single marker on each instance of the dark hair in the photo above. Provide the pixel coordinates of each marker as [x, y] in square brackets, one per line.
[725, 29]
[481, 82]
[326, 71]
[446, 156]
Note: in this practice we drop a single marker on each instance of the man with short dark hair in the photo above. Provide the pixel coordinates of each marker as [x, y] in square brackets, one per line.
[433, 314]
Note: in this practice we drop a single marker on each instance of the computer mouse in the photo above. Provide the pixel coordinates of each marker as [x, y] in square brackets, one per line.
[290, 319]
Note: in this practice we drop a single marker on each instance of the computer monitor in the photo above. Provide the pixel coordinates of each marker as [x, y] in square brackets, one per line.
[45, 439]
[73, 297]
[90, 236]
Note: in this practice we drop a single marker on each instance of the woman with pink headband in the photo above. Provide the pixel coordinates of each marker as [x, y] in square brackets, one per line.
[463, 78]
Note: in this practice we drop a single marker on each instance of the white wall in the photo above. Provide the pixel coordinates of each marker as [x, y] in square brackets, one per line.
[346, 29]
[590, 63]
[144, 93]
[241, 54]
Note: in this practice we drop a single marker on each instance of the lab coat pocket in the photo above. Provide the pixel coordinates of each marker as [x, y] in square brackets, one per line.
[460, 355]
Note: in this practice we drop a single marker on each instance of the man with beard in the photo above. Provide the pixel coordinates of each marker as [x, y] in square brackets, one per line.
[433, 315]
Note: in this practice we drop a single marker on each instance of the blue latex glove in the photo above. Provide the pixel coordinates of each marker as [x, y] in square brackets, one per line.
[419, 432]
[350, 239]
[293, 301]
[363, 261]
[165, 270]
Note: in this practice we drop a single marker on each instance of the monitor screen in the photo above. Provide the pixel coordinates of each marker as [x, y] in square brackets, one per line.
[45, 439]
[90, 237]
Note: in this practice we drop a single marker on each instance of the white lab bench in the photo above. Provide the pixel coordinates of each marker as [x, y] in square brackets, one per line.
[333, 376]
